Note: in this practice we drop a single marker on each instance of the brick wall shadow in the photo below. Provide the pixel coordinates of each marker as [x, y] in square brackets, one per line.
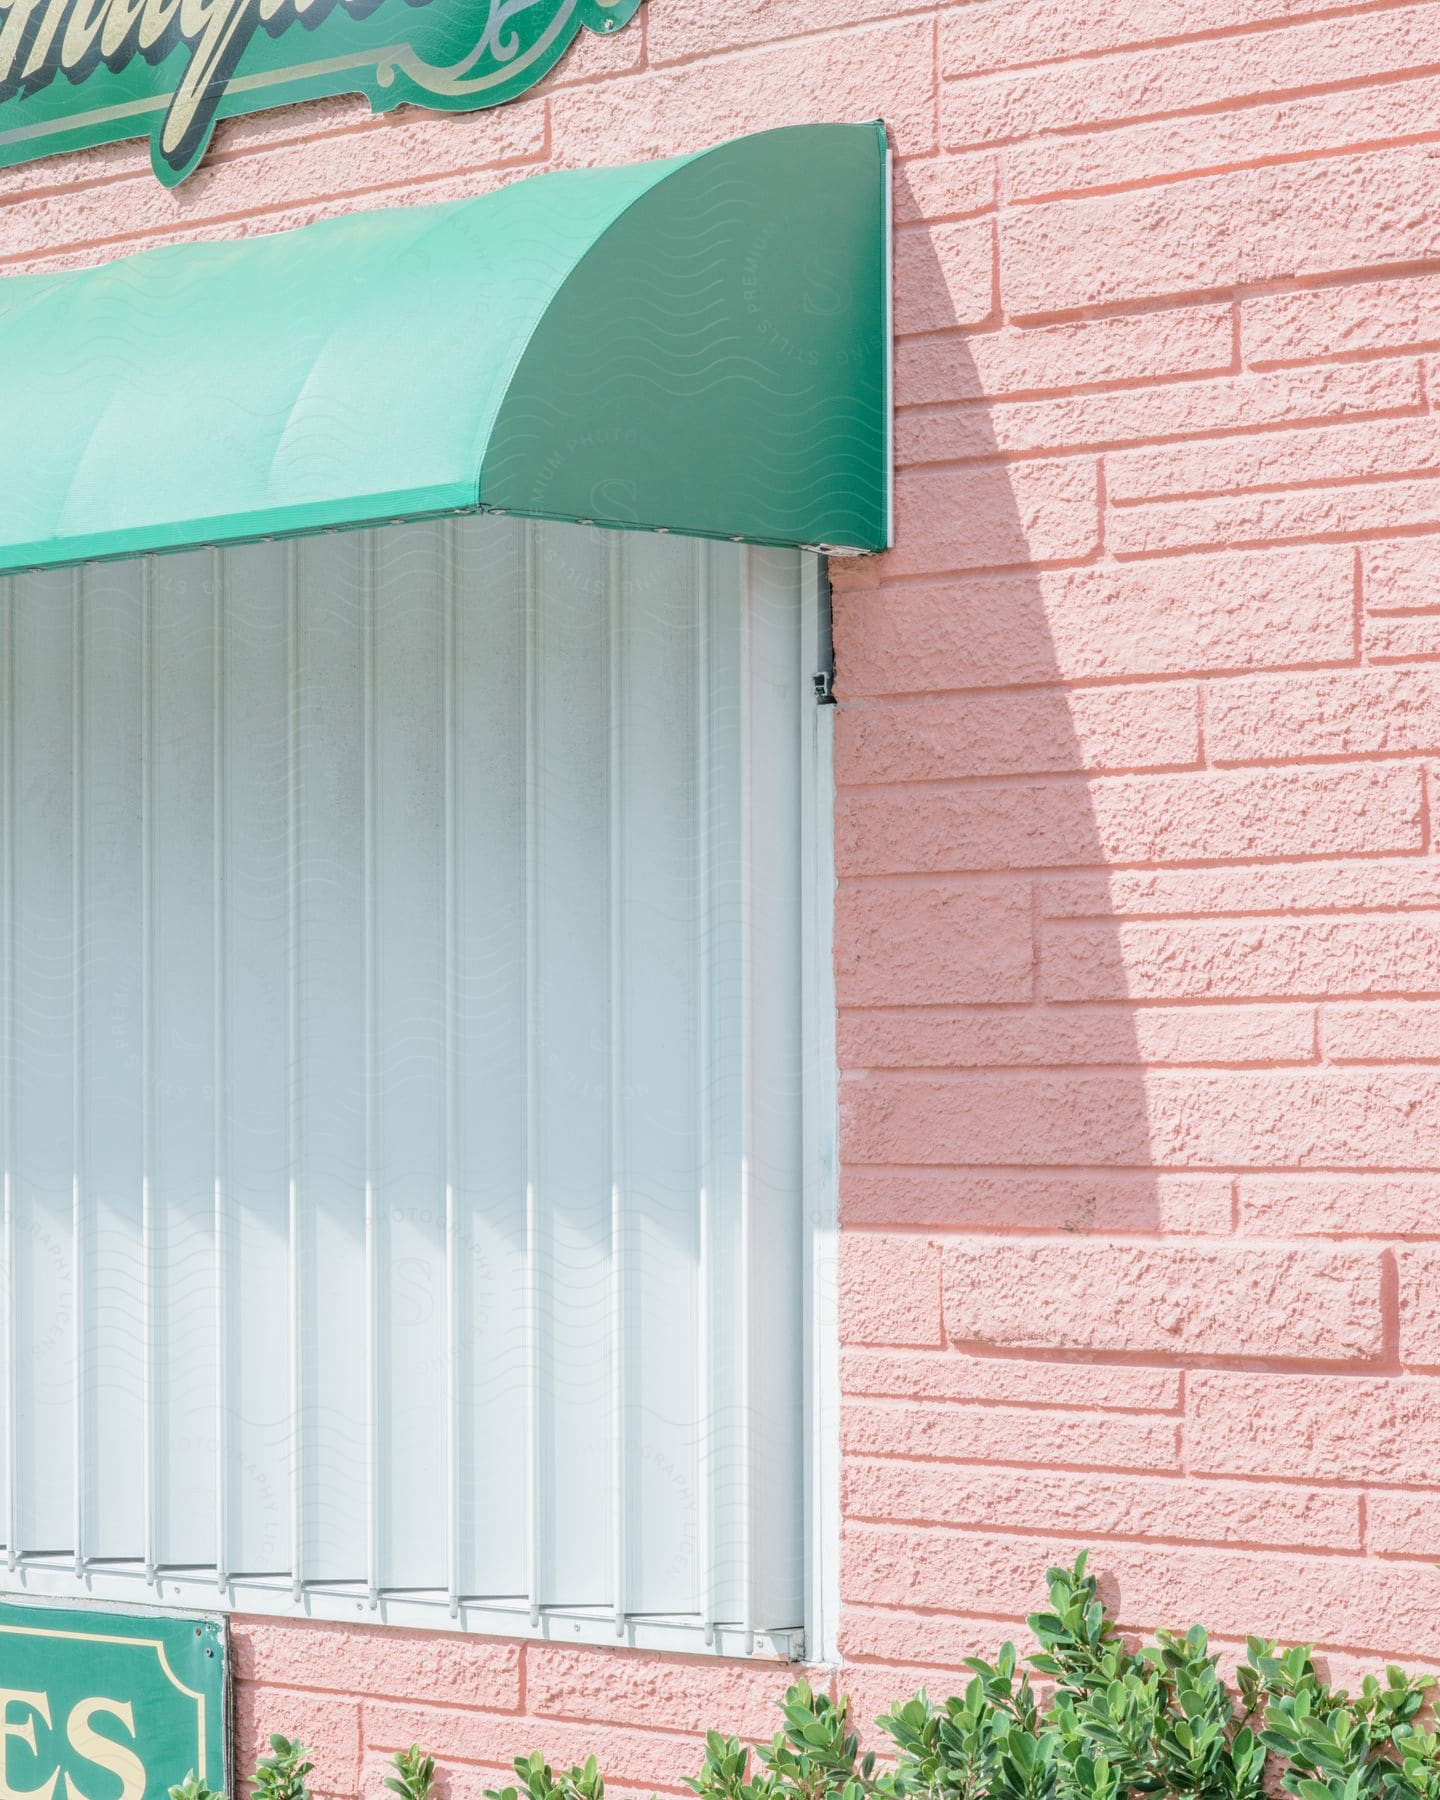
[1011, 1338]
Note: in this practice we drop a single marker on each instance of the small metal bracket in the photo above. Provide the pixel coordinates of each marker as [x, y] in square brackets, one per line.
[824, 684]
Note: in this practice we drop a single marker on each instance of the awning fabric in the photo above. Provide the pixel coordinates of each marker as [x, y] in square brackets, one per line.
[699, 345]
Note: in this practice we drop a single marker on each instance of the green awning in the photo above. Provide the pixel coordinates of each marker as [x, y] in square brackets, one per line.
[700, 345]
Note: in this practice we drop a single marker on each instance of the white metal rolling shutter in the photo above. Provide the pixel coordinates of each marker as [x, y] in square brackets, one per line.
[404, 1078]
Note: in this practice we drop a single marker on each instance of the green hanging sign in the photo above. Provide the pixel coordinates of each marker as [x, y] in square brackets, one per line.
[106, 1705]
[76, 73]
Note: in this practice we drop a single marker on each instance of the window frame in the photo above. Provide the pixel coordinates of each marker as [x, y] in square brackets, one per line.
[38, 1575]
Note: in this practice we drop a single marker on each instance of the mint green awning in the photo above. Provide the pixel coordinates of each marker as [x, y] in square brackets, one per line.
[700, 345]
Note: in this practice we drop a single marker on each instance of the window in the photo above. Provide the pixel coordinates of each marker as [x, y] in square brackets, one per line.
[413, 1123]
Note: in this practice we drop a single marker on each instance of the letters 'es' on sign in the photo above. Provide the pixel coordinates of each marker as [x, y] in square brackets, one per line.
[76, 73]
[109, 1705]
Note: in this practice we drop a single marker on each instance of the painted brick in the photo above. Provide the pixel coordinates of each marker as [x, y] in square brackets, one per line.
[328, 1725]
[1234, 402]
[688, 1692]
[1340, 1205]
[1306, 1598]
[1399, 885]
[955, 1375]
[658, 1758]
[944, 187]
[1279, 459]
[889, 1291]
[362, 162]
[1242, 958]
[1002, 1434]
[461, 1781]
[1159, 818]
[1179, 77]
[1180, 340]
[1311, 1303]
[1249, 225]
[1419, 1272]
[1199, 1119]
[1347, 1670]
[1271, 518]
[1132, 727]
[933, 944]
[883, 71]
[1313, 1427]
[874, 1689]
[990, 517]
[1208, 613]
[471, 1782]
[1010, 1038]
[975, 40]
[920, 1639]
[1355, 714]
[1403, 1524]
[1403, 577]
[674, 34]
[287, 217]
[1098, 1201]
[1397, 1031]
[1401, 637]
[595, 57]
[944, 275]
[1200, 143]
[1104, 1505]
[1400, 313]
[472, 1671]
[79, 170]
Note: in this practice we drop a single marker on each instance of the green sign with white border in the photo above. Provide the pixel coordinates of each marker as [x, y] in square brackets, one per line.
[77, 73]
[109, 1704]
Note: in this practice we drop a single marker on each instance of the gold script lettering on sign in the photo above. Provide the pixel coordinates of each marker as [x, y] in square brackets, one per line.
[38, 1706]
[119, 1759]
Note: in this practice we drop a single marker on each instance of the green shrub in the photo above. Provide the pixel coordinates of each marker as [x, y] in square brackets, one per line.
[1114, 1722]
[281, 1775]
[192, 1788]
[414, 1774]
[1157, 1720]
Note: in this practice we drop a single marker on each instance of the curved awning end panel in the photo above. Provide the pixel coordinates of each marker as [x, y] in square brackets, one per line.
[699, 345]
[718, 363]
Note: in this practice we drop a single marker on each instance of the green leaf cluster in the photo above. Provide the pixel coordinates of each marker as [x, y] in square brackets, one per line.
[193, 1788]
[281, 1775]
[538, 1781]
[816, 1756]
[1335, 1747]
[1128, 1723]
[414, 1774]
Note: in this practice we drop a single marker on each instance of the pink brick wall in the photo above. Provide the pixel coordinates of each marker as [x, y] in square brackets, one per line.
[1139, 927]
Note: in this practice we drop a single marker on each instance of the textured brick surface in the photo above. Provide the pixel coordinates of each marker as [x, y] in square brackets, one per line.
[1305, 1595]
[890, 1291]
[1340, 1205]
[1138, 931]
[1022, 427]
[1168, 818]
[1314, 1427]
[1104, 1505]
[1233, 959]
[909, 1430]
[1200, 1299]
[923, 943]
